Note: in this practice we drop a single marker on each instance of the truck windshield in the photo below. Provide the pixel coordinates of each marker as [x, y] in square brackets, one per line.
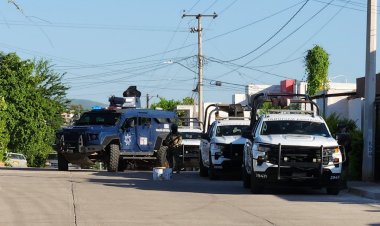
[294, 127]
[98, 118]
[230, 130]
[190, 135]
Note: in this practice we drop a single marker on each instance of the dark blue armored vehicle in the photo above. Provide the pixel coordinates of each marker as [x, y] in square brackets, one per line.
[115, 135]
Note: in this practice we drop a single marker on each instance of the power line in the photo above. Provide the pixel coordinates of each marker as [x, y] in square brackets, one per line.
[209, 39]
[272, 36]
[281, 41]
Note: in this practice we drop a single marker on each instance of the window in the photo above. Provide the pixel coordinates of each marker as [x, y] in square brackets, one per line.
[98, 118]
[144, 121]
[294, 127]
[130, 123]
[162, 120]
[191, 135]
[230, 130]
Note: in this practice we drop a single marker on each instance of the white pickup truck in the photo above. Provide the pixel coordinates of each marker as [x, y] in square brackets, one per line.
[291, 146]
[221, 147]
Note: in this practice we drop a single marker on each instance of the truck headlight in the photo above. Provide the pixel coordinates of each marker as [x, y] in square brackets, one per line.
[93, 136]
[217, 150]
[262, 148]
[332, 154]
[262, 154]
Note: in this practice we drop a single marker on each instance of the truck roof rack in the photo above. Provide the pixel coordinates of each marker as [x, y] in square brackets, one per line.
[233, 110]
[232, 118]
[282, 100]
[288, 111]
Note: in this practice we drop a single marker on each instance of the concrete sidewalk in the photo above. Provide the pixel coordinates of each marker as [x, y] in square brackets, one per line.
[365, 189]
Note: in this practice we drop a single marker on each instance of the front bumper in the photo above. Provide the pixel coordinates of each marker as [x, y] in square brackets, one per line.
[299, 176]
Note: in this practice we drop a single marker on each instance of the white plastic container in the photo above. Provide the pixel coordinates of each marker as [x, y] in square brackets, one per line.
[162, 173]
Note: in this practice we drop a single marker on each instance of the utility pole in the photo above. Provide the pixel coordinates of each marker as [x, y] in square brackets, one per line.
[148, 98]
[370, 93]
[200, 60]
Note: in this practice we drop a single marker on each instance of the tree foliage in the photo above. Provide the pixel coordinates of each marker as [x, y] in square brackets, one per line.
[35, 98]
[317, 65]
[4, 135]
[170, 105]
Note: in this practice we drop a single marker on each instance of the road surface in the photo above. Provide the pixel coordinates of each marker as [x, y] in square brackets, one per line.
[82, 197]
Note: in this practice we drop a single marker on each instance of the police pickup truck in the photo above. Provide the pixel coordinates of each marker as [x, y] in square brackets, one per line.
[221, 148]
[290, 146]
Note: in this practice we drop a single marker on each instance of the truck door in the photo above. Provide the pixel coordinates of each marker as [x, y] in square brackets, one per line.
[144, 130]
[205, 145]
[128, 135]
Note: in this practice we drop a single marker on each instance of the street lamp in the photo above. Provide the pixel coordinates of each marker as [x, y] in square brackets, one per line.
[198, 89]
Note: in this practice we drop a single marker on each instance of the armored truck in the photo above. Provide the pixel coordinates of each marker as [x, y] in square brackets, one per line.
[116, 135]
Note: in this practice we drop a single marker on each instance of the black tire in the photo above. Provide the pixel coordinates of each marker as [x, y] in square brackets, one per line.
[113, 158]
[333, 190]
[212, 175]
[161, 157]
[203, 171]
[246, 178]
[63, 164]
[256, 186]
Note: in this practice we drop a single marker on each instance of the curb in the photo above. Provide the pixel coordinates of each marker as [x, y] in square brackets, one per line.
[364, 192]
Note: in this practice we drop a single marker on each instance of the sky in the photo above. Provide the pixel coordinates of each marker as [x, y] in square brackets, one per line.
[105, 46]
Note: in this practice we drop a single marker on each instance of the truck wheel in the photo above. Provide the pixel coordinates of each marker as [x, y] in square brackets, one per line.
[203, 171]
[113, 162]
[333, 190]
[256, 186]
[161, 156]
[246, 178]
[63, 164]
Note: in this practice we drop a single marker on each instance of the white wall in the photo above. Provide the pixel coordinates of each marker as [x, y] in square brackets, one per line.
[252, 89]
[355, 110]
[239, 98]
[339, 105]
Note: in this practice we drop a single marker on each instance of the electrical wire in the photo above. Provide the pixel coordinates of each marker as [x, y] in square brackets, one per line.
[272, 36]
[281, 41]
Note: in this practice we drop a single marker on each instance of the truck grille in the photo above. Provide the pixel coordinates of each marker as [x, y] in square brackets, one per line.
[233, 151]
[295, 156]
[191, 151]
[71, 139]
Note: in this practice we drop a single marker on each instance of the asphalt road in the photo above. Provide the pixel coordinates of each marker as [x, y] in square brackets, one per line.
[81, 197]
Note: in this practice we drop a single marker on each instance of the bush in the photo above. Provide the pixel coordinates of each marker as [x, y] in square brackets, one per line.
[355, 155]
[354, 145]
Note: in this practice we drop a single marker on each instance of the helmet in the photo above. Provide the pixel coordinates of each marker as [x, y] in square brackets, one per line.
[174, 128]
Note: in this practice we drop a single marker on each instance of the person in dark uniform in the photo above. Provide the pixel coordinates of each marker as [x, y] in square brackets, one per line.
[174, 142]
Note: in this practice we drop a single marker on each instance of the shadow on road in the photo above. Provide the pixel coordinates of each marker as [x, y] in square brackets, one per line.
[190, 182]
[184, 182]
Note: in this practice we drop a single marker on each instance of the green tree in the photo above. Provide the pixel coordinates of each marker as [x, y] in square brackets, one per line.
[164, 104]
[4, 135]
[188, 101]
[36, 98]
[317, 65]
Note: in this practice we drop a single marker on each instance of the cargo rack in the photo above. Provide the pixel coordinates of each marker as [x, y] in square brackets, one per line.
[281, 100]
[235, 111]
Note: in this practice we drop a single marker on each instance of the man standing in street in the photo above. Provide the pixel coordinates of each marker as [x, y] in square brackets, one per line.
[174, 140]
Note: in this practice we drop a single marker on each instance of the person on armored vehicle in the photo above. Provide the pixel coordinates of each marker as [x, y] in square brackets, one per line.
[174, 141]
